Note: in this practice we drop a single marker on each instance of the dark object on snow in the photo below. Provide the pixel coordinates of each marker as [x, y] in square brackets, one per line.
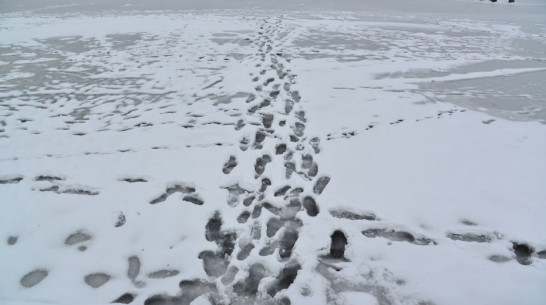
[523, 253]
[337, 249]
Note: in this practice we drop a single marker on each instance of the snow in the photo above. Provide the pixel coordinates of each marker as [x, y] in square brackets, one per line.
[142, 157]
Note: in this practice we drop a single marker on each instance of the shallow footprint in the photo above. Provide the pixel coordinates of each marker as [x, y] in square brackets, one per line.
[33, 278]
[96, 280]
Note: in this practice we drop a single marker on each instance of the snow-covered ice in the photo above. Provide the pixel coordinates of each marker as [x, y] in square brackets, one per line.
[273, 152]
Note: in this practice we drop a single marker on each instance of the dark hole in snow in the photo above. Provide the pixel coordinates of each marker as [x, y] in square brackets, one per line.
[337, 247]
[523, 253]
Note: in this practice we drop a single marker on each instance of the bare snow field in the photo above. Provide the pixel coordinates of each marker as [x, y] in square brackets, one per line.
[252, 152]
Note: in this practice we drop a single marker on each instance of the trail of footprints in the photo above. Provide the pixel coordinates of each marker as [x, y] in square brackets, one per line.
[269, 215]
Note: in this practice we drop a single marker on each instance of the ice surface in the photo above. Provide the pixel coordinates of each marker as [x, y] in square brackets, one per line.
[272, 152]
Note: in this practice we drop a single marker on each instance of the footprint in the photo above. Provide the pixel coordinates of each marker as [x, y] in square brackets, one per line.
[300, 115]
[251, 97]
[77, 237]
[523, 253]
[261, 162]
[258, 139]
[265, 183]
[245, 251]
[273, 94]
[120, 220]
[249, 287]
[499, 258]
[339, 213]
[12, 240]
[313, 171]
[243, 144]
[47, 178]
[193, 199]
[280, 149]
[290, 168]
[134, 180]
[267, 120]
[126, 298]
[96, 280]
[310, 206]
[191, 290]
[288, 106]
[162, 274]
[285, 278]
[33, 278]
[240, 124]
[176, 188]
[214, 264]
[248, 201]
[257, 211]
[315, 144]
[234, 192]
[230, 165]
[397, 236]
[306, 161]
[273, 226]
[230, 275]
[337, 247]
[243, 217]
[321, 184]
[470, 237]
[269, 81]
[287, 242]
[282, 191]
[11, 180]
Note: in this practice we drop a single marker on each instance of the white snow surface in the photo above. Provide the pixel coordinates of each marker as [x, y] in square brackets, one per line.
[127, 135]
